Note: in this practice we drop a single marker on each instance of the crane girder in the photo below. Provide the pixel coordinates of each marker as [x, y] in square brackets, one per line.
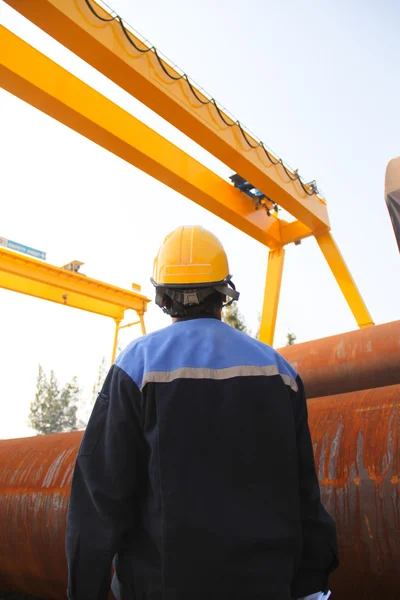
[107, 44]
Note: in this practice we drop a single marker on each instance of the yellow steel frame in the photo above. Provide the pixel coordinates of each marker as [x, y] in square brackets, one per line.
[29, 276]
[343, 277]
[36, 79]
[271, 295]
[104, 45]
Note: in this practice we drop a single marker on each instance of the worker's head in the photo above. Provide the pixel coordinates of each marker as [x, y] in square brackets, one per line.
[191, 274]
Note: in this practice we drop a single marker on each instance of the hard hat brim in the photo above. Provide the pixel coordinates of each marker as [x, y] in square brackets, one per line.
[189, 286]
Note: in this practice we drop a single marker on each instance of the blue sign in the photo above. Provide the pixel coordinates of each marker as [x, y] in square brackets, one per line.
[21, 248]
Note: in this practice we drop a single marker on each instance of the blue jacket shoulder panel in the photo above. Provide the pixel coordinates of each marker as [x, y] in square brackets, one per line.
[199, 344]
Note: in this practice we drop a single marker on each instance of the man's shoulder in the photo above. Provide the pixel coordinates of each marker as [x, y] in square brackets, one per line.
[149, 339]
[259, 350]
[132, 358]
[279, 359]
[201, 344]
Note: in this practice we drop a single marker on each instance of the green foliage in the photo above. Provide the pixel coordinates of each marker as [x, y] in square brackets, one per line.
[86, 405]
[54, 408]
[234, 318]
[101, 375]
[290, 339]
[257, 336]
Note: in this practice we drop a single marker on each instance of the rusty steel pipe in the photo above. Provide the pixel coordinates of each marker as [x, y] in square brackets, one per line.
[357, 360]
[356, 443]
[35, 480]
[356, 438]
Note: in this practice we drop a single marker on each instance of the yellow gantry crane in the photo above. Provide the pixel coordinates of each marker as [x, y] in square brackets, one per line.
[65, 285]
[103, 40]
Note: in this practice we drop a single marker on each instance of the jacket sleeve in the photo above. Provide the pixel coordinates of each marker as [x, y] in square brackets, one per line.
[105, 487]
[320, 554]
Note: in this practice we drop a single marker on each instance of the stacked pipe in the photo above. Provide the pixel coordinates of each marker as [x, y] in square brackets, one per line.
[353, 384]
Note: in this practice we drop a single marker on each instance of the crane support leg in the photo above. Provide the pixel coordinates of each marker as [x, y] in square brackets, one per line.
[344, 279]
[271, 295]
[142, 325]
[115, 345]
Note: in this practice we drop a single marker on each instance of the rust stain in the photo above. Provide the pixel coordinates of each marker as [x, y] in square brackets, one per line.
[368, 527]
[356, 441]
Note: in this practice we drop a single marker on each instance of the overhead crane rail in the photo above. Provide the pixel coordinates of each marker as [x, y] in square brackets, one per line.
[104, 41]
[176, 74]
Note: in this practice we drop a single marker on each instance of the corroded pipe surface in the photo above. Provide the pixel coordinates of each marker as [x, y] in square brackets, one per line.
[358, 360]
[35, 479]
[356, 440]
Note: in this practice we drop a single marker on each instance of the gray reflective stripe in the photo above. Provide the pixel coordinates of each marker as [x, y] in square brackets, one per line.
[228, 373]
[287, 380]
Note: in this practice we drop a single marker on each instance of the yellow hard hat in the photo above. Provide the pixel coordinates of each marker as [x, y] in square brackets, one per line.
[190, 255]
[192, 258]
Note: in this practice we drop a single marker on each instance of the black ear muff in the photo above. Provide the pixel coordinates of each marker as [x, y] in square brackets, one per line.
[176, 300]
[228, 289]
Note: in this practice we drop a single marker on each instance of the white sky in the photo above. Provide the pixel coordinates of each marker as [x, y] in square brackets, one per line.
[318, 82]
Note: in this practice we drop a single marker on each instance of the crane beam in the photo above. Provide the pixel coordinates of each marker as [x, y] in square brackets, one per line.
[107, 44]
[32, 277]
[36, 79]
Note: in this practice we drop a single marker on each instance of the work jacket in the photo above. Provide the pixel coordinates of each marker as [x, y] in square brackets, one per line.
[196, 476]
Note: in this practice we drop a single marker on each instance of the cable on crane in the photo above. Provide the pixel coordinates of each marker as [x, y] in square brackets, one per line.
[293, 175]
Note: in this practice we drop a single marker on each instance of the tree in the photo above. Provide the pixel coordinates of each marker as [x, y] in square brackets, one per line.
[54, 409]
[291, 339]
[101, 375]
[257, 336]
[234, 318]
[87, 403]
